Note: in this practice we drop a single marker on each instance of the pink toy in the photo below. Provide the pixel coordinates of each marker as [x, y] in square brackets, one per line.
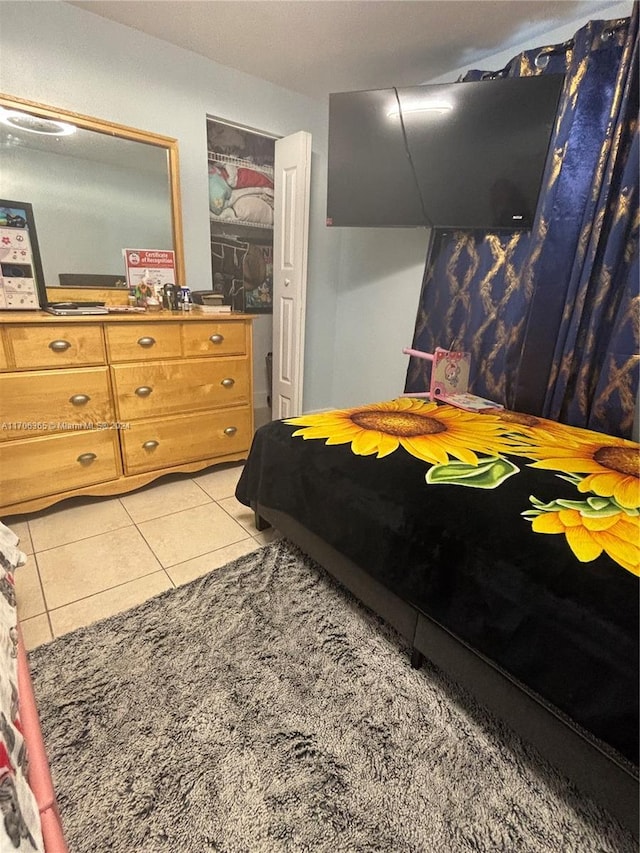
[450, 380]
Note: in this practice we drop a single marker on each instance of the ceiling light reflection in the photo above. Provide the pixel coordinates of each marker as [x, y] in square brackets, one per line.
[35, 124]
[432, 107]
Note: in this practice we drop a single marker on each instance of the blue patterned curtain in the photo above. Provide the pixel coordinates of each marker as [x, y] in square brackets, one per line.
[551, 315]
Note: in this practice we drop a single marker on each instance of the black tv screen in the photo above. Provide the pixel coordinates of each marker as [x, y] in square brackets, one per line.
[453, 155]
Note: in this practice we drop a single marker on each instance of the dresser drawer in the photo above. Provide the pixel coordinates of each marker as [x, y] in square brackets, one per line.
[42, 401]
[55, 345]
[153, 444]
[211, 338]
[133, 341]
[36, 467]
[187, 385]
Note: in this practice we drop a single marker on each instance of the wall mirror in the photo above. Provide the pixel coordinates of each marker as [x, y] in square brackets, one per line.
[95, 188]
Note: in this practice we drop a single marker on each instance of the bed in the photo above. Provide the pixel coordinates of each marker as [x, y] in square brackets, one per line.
[29, 817]
[505, 548]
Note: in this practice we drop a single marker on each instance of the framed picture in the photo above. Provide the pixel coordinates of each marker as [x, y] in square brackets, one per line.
[22, 286]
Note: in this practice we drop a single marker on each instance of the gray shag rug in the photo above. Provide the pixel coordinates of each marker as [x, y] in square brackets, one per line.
[261, 709]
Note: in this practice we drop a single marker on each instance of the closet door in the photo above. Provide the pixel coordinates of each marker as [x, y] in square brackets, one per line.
[290, 244]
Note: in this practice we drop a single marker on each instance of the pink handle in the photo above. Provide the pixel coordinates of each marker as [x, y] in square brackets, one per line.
[416, 353]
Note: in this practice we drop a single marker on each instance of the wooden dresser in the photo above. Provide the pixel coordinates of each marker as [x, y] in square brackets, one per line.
[102, 405]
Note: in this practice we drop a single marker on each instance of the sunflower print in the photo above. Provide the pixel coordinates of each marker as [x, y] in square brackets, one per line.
[591, 527]
[611, 465]
[428, 431]
[530, 429]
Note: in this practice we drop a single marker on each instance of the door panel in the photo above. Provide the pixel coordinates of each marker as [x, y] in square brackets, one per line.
[291, 232]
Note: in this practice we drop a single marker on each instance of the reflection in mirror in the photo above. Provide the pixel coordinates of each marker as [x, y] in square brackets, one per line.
[96, 188]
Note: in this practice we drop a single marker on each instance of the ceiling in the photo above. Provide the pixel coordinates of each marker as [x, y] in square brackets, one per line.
[319, 46]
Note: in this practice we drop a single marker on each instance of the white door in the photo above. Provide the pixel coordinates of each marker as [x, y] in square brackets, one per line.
[290, 243]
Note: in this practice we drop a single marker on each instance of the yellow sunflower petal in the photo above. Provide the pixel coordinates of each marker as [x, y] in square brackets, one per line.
[575, 465]
[342, 431]
[430, 452]
[583, 544]
[403, 403]
[602, 483]
[342, 437]
[628, 527]
[599, 522]
[388, 444]
[627, 492]
[570, 517]
[625, 489]
[366, 442]
[316, 432]
[548, 522]
[464, 455]
[620, 550]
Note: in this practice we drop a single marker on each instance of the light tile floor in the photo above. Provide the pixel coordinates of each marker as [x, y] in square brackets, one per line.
[89, 558]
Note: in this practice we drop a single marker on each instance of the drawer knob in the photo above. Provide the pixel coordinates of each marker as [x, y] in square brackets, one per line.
[231, 431]
[143, 391]
[79, 399]
[216, 339]
[86, 458]
[146, 342]
[151, 444]
[59, 346]
[228, 383]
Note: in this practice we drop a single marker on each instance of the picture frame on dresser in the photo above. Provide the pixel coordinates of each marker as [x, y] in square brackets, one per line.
[22, 286]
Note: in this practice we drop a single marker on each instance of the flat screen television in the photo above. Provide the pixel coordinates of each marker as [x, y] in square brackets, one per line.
[453, 155]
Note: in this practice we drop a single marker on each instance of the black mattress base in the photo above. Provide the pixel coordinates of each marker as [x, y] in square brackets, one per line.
[592, 767]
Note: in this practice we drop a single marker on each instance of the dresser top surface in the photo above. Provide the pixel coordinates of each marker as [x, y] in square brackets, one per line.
[22, 318]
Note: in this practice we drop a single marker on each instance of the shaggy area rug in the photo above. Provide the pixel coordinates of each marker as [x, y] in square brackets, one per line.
[260, 709]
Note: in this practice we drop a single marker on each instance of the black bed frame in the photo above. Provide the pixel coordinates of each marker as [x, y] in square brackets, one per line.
[592, 766]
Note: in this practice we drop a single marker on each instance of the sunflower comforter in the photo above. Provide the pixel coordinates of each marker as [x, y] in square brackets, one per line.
[519, 535]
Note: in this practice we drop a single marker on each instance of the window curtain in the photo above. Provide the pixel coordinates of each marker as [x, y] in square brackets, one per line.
[550, 316]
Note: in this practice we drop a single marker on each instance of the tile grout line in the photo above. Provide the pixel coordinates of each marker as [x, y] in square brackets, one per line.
[84, 538]
[44, 597]
[108, 589]
[135, 524]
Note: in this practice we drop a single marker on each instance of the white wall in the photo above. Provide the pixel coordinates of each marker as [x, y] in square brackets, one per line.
[65, 57]
[380, 277]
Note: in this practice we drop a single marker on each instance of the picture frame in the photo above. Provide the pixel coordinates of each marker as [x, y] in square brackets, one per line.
[22, 286]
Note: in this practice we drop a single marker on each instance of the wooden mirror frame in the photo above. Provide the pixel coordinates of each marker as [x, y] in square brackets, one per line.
[124, 132]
